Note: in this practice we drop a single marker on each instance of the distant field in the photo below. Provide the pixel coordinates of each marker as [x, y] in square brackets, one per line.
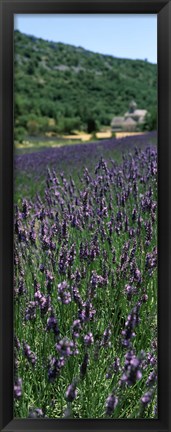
[32, 160]
[37, 144]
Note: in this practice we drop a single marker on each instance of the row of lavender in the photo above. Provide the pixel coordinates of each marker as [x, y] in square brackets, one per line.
[72, 159]
[86, 294]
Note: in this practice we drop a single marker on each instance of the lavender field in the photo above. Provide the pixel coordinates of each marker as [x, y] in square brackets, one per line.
[85, 281]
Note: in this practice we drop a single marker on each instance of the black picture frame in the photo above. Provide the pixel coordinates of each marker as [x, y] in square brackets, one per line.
[163, 10]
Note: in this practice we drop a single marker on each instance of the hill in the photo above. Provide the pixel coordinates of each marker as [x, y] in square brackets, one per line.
[61, 88]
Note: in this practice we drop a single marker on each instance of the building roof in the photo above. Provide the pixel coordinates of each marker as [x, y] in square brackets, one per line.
[136, 113]
[129, 121]
[140, 112]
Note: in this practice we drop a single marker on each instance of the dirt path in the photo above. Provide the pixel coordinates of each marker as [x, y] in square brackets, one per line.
[100, 135]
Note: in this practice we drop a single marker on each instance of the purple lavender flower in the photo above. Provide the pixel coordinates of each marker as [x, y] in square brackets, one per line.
[21, 287]
[86, 312]
[71, 392]
[35, 413]
[18, 388]
[76, 296]
[132, 320]
[25, 208]
[88, 339]
[84, 364]
[137, 276]
[97, 280]
[111, 404]
[134, 215]
[41, 268]
[130, 291]
[54, 367]
[52, 324]
[64, 295]
[146, 398]
[31, 357]
[71, 255]
[17, 343]
[106, 336]
[44, 304]
[30, 311]
[132, 369]
[32, 235]
[49, 280]
[63, 260]
[114, 368]
[65, 347]
[144, 298]
[37, 296]
[77, 276]
[151, 359]
[76, 328]
[152, 378]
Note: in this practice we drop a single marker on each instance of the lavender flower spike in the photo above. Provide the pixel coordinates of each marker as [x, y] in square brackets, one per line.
[71, 392]
[111, 404]
[18, 388]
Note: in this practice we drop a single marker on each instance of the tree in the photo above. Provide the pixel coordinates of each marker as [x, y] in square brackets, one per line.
[32, 127]
[150, 121]
[19, 134]
[92, 125]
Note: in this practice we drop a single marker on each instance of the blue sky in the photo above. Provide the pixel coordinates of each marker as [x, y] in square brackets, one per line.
[125, 36]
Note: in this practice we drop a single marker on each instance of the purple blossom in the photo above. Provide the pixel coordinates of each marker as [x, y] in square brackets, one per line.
[97, 280]
[111, 404]
[52, 324]
[65, 347]
[64, 295]
[54, 368]
[84, 364]
[71, 392]
[76, 328]
[86, 312]
[130, 291]
[31, 357]
[132, 321]
[44, 304]
[152, 378]
[49, 280]
[106, 336]
[76, 296]
[88, 339]
[30, 311]
[114, 368]
[146, 398]
[18, 388]
[17, 343]
[132, 369]
[35, 413]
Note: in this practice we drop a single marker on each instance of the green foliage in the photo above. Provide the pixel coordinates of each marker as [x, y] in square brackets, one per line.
[150, 121]
[32, 127]
[67, 125]
[19, 134]
[92, 125]
[63, 82]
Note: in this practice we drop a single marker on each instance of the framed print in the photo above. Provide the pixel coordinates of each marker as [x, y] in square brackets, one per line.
[85, 232]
